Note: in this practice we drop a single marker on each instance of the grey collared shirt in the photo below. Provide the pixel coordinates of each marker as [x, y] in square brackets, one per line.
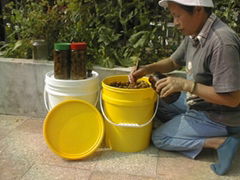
[213, 60]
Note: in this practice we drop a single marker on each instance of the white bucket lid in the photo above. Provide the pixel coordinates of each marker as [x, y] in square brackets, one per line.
[52, 81]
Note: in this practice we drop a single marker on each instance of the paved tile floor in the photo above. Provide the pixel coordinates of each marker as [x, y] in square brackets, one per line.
[24, 155]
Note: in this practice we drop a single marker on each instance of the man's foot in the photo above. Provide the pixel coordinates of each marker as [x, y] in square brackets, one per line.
[226, 153]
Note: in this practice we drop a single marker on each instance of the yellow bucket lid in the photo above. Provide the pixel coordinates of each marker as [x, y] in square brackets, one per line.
[73, 129]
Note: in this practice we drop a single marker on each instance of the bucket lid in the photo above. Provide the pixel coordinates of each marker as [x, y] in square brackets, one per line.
[73, 129]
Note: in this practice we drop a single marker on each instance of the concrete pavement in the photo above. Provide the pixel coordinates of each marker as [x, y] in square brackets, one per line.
[24, 155]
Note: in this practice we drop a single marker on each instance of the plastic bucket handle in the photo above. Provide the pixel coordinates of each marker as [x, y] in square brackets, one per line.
[45, 97]
[130, 125]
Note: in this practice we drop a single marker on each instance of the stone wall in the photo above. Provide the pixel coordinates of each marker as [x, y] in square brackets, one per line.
[22, 85]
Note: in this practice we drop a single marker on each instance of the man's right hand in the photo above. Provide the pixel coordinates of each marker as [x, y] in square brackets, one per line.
[136, 74]
[163, 66]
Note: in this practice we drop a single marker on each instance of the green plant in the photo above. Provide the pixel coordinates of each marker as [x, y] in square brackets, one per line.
[229, 11]
[118, 32]
[28, 20]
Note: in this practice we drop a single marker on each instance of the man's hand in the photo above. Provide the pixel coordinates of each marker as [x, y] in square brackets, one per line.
[163, 66]
[136, 74]
[169, 85]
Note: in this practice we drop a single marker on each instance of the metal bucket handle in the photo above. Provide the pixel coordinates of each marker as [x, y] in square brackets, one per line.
[134, 125]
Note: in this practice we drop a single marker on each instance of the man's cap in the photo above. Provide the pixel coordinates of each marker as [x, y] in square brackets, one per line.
[204, 3]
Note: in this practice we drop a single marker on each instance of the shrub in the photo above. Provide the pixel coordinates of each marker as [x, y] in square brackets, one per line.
[118, 32]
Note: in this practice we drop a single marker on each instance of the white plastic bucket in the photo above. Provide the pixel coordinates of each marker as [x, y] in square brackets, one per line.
[58, 90]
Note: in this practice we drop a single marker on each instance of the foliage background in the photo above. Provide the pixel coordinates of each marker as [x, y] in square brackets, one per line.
[118, 32]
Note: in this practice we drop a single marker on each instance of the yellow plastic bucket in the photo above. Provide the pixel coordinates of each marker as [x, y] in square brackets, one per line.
[127, 105]
[128, 115]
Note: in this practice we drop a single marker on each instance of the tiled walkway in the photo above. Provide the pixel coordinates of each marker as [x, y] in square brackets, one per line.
[24, 155]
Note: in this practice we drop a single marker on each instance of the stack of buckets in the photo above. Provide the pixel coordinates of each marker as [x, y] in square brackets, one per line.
[58, 90]
[128, 115]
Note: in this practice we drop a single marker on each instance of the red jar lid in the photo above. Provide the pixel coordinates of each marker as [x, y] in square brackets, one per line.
[78, 45]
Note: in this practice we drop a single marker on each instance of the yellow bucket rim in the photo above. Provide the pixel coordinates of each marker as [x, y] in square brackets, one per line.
[61, 109]
[116, 89]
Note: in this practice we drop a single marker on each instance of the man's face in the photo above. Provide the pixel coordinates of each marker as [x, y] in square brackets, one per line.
[186, 23]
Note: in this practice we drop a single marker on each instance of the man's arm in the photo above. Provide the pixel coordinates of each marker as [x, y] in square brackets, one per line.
[163, 66]
[209, 94]
[169, 85]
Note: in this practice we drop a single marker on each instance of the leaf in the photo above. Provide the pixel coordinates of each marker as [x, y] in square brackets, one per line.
[135, 37]
[120, 3]
[107, 62]
[17, 45]
[139, 39]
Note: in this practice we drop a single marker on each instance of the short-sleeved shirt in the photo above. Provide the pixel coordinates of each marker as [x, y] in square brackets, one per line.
[213, 59]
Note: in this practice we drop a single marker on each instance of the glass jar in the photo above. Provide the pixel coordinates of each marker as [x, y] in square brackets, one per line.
[61, 58]
[78, 60]
[40, 50]
[170, 98]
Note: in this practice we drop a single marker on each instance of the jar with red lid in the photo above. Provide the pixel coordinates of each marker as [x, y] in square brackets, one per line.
[78, 60]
